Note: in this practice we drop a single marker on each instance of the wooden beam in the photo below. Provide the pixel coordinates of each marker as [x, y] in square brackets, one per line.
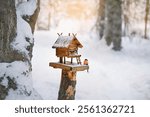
[72, 67]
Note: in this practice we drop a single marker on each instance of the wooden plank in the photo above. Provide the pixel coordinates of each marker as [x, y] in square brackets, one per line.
[59, 65]
[73, 56]
[69, 67]
[61, 52]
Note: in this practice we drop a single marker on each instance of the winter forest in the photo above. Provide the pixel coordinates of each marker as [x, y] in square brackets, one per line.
[115, 35]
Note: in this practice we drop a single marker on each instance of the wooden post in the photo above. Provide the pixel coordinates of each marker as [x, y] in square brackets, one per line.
[67, 85]
[71, 60]
[61, 59]
[64, 60]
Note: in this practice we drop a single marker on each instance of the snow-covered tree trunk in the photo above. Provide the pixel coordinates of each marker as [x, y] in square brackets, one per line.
[33, 18]
[8, 26]
[16, 52]
[113, 23]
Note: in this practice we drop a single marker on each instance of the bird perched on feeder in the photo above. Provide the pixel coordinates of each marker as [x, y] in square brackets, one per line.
[86, 63]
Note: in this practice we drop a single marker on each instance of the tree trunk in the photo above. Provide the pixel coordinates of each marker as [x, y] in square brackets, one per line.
[146, 18]
[126, 17]
[7, 31]
[114, 23]
[32, 19]
[8, 27]
[10, 57]
[67, 85]
[101, 18]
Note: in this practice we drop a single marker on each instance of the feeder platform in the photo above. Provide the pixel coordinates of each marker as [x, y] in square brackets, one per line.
[69, 66]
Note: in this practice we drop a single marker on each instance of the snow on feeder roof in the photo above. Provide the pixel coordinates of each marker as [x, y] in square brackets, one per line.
[66, 41]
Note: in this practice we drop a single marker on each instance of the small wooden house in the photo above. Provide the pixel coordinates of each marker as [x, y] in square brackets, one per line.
[67, 46]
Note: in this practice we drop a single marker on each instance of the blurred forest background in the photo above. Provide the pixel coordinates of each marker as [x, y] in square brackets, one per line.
[54, 13]
[130, 18]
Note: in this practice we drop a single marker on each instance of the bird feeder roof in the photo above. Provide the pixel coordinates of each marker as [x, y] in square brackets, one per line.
[65, 41]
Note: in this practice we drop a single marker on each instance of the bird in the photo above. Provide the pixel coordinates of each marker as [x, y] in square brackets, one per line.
[86, 63]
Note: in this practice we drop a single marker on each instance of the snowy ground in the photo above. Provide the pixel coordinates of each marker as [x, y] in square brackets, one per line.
[112, 75]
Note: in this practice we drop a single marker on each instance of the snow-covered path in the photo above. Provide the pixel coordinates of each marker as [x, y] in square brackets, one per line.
[112, 75]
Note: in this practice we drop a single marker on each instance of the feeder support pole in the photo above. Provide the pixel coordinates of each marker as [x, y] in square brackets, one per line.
[68, 85]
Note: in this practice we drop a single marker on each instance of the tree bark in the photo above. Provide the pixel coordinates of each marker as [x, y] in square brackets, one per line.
[67, 85]
[146, 18]
[101, 18]
[114, 23]
[8, 31]
[34, 17]
[8, 25]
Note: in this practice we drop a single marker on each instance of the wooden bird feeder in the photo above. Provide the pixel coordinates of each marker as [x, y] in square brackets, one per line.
[67, 46]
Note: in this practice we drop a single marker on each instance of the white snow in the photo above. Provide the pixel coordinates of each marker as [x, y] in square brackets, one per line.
[23, 28]
[112, 75]
[27, 8]
[63, 41]
[20, 72]
[4, 82]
